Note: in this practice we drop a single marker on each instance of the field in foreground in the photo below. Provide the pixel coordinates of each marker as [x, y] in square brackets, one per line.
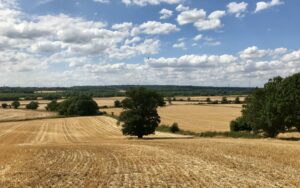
[91, 152]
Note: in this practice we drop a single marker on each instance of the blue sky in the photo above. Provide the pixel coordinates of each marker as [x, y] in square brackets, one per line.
[184, 42]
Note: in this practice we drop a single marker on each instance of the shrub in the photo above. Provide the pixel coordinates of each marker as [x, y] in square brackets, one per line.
[237, 100]
[15, 104]
[163, 128]
[215, 102]
[224, 100]
[118, 104]
[32, 105]
[174, 128]
[52, 106]
[208, 100]
[4, 105]
[239, 125]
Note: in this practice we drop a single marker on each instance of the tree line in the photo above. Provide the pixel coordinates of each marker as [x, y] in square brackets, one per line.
[273, 109]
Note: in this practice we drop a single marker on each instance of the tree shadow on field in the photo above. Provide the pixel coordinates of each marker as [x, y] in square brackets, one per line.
[290, 139]
[161, 138]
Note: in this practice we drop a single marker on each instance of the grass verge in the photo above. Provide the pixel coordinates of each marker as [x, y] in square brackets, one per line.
[211, 134]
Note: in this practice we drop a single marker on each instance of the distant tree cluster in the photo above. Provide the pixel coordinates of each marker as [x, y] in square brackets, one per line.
[75, 106]
[273, 109]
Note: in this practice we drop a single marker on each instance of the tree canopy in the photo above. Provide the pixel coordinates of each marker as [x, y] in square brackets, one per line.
[32, 105]
[79, 105]
[15, 104]
[140, 116]
[274, 108]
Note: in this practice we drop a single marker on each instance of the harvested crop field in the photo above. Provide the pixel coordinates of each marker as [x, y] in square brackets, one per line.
[197, 118]
[91, 152]
[19, 114]
[200, 118]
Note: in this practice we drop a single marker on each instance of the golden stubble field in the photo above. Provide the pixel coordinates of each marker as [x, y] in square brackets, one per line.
[91, 152]
[21, 114]
[197, 118]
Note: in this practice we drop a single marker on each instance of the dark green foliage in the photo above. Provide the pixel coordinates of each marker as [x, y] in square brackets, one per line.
[237, 100]
[32, 105]
[16, 93]
[15, 104]
[118, 104]
[274, 108]
[215, 102]
[169, 99]
[208, 100]
[78, 106]
[174, 128]
[52, 106]
[4, 105]
[30, 98]
[163, 128]
[52, 97]
[230, 134]
[140, 116]
[224, 100]
[240, 125]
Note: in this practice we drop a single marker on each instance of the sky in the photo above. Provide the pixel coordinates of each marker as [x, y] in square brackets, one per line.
[148, 42]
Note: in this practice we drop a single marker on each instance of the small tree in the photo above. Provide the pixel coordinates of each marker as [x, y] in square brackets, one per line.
[118, 104]
[52, 106]
[4, 105]
[140, 116]
[189, 99]
[237, 100]
[32, 105]
[224, 100]
[15, 104]
[240, 125]
[208, 100]
[174, 128]
[169, 100]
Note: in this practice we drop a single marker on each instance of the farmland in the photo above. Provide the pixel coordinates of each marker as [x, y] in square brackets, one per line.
[91, 152]
[20, 114]
[196, 118]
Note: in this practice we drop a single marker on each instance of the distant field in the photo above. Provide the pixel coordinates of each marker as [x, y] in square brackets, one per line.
[91, 152]
[108, 101]
[12, 114]
[198, 118]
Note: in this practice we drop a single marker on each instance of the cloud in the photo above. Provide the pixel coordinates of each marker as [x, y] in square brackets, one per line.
[181, 8]
[180, 45]
[200, 20]
[237, 8]
[39, 50]
[165, 14]
[150, 2]
[198, 37]
[293, 56]
[126, 26]
[102, 1]
[156, 28]
[260, 6]
[253, 52]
